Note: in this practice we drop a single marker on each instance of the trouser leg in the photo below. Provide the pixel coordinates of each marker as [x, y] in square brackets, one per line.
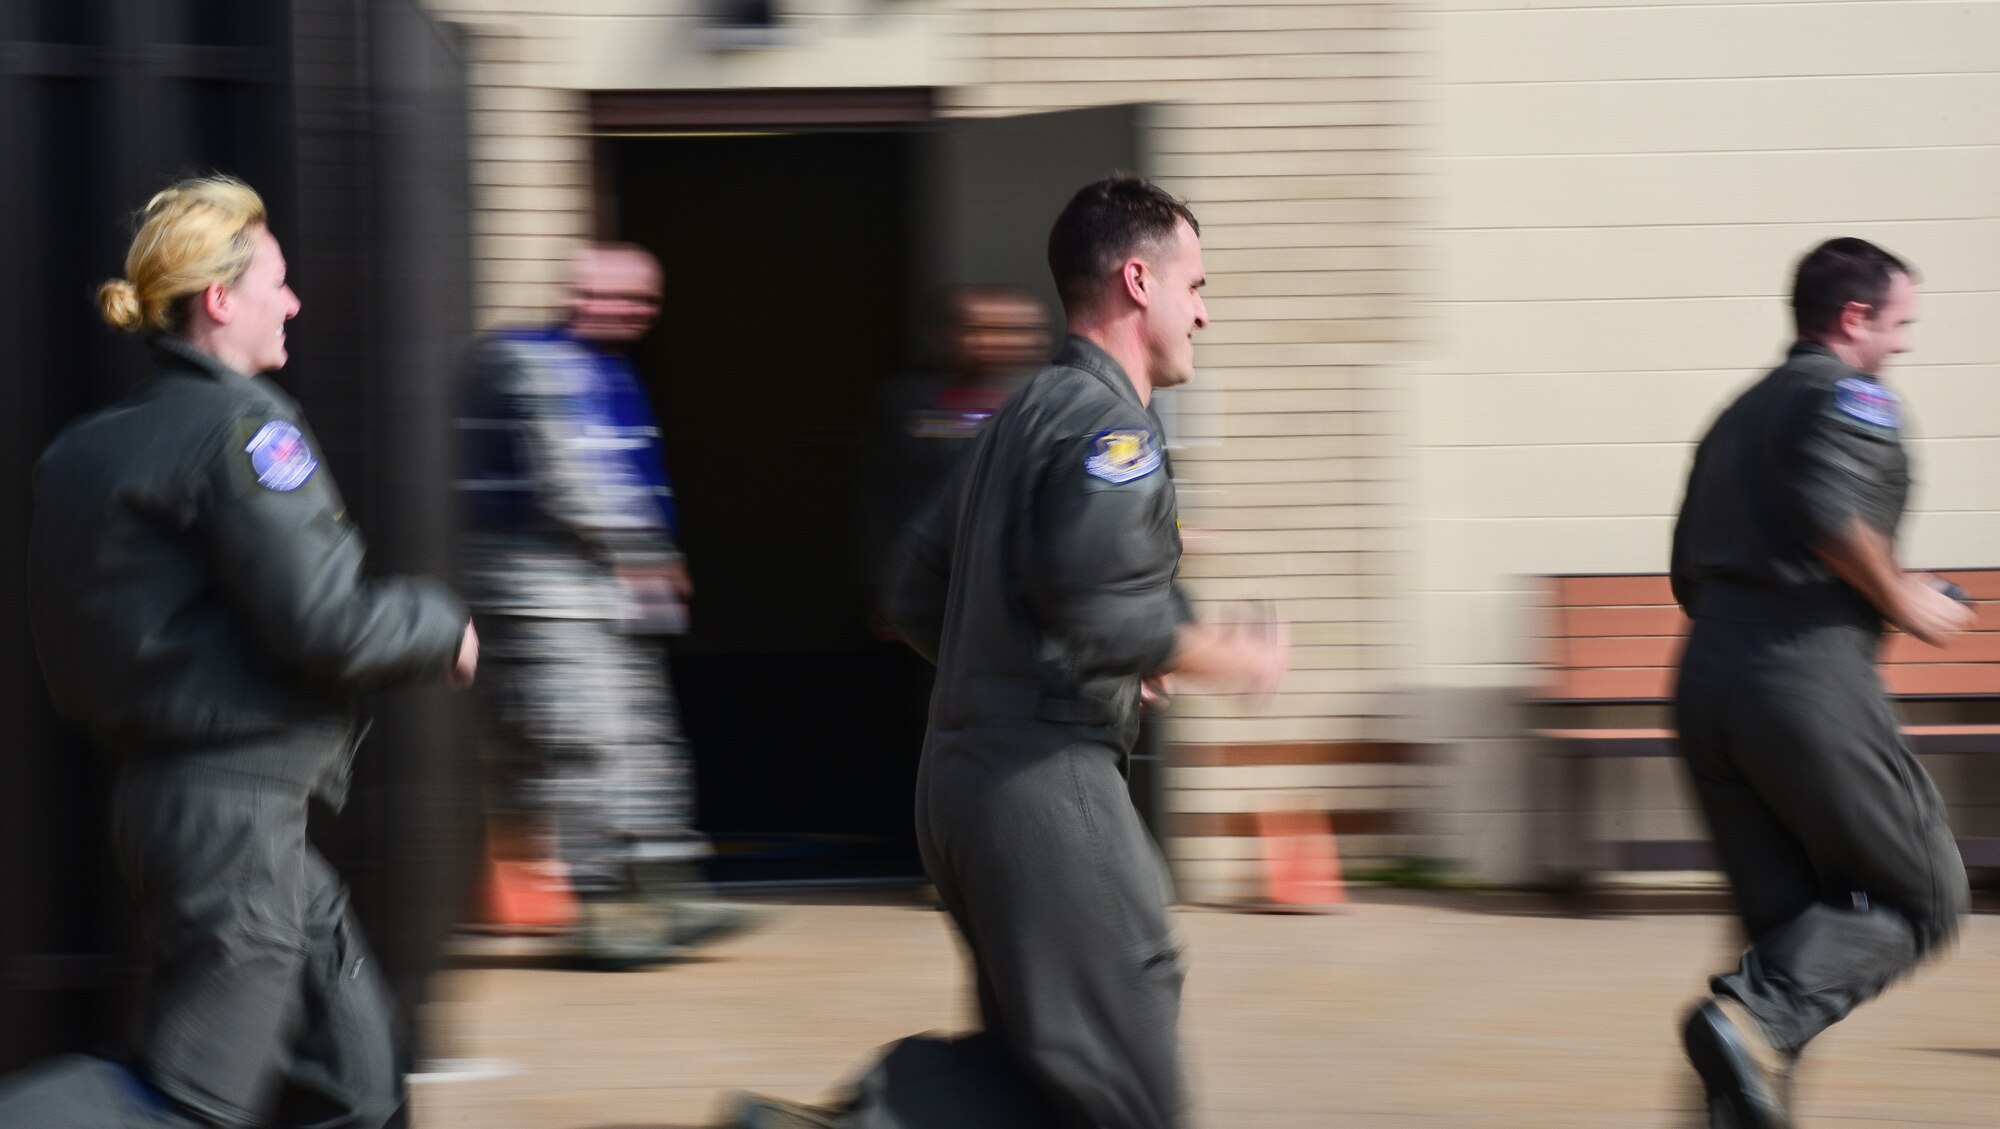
[219, 868]
[1831, 831]
[1066, 918]
[265, 1006]
[343, 1070]
[595, 749]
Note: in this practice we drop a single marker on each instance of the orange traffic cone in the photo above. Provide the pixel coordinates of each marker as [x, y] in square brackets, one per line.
[523, 893]
[1301, 863]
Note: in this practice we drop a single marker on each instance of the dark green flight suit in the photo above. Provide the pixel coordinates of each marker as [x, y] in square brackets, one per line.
[1831, 832]
[199, 606]
[1042, 582]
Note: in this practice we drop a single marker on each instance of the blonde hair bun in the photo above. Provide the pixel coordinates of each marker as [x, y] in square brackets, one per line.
[192, 235]
[118, 302]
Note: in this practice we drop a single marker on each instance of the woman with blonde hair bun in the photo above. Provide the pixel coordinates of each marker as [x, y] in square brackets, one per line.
[199, 605]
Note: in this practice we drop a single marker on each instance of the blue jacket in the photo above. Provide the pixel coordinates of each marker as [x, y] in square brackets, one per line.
[558, 440]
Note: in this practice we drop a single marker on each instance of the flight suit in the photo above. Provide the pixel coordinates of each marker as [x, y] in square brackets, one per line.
[1832, 834]
[1042, 582]
[199, 605]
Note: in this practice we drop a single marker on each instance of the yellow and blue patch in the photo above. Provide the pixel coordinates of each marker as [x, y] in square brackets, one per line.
[280, 456]
[1123, 454]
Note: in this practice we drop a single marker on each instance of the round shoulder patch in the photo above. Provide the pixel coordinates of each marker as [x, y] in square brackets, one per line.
[1122, 454]
[1868, 402]
[280, 456]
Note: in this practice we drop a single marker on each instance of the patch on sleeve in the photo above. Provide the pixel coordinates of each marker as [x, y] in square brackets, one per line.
[1123, 454]
[1868, 402]
[280, 456]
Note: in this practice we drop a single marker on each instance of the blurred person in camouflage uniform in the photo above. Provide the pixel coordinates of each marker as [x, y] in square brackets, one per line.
[574, 570]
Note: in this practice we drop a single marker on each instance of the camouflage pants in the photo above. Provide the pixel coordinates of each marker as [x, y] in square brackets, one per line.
[589, 744]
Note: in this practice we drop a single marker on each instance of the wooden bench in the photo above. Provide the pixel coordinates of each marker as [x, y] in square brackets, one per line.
[1612, 644]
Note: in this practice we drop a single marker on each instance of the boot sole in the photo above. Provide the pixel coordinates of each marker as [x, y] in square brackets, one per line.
[1717, 1051]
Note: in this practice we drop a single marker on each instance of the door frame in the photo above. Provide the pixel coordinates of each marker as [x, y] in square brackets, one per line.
[639, 113]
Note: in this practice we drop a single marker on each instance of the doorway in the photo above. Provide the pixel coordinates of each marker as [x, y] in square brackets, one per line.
[805, 237]
[786, 306]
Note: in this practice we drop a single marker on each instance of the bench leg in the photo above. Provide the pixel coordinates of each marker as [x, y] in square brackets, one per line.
[1576, 859]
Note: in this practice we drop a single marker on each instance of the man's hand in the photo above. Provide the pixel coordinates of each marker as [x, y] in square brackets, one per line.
[1155, 692]
[651, 580]
[1266, 657]
[1246, 657]
[1924, 610]
[677, 578]
[1864, 557]
[467, 662]
[656, 596]
[1196, 542]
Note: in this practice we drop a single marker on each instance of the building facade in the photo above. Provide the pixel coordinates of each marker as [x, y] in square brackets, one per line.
[1480, 271]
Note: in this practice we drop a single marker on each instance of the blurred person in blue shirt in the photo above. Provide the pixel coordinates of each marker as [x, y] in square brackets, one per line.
[573, 566]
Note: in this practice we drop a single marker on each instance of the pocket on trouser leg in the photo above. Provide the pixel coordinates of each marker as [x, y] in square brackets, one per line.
[1160, 960]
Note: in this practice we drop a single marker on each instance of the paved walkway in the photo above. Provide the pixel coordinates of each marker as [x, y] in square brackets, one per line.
[1406, 1012]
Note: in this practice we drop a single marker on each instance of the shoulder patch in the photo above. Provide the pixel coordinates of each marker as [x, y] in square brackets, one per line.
[280, 456]
[1868, 402]
[1123, 454]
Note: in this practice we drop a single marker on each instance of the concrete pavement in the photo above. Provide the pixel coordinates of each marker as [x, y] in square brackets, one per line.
[1474, 1012]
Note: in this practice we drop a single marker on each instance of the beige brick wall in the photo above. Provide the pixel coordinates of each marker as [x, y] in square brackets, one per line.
[531, 175]
[1621, 191]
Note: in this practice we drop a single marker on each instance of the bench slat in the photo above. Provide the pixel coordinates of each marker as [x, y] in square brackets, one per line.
[1979, 583]
[1572, 623]
[1971, 647]
[1603, 591]
[1931, 740]
[1666, 619]
[1666, 854]
[1655, 684]
[1613, 684]
[1979, 852]
[1664, 651]
[1651, 650]
[1942, 679]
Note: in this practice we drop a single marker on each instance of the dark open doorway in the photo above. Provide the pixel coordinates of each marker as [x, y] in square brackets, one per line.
[804, 242]
[785, 307]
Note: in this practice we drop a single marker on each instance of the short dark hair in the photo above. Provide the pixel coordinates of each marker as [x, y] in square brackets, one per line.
[1837, 272]
[1102, 225]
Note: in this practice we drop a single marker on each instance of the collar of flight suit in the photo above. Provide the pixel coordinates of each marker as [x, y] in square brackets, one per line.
[1083, 353]
[1806, 348]
[1803, 348]
[175, 354]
